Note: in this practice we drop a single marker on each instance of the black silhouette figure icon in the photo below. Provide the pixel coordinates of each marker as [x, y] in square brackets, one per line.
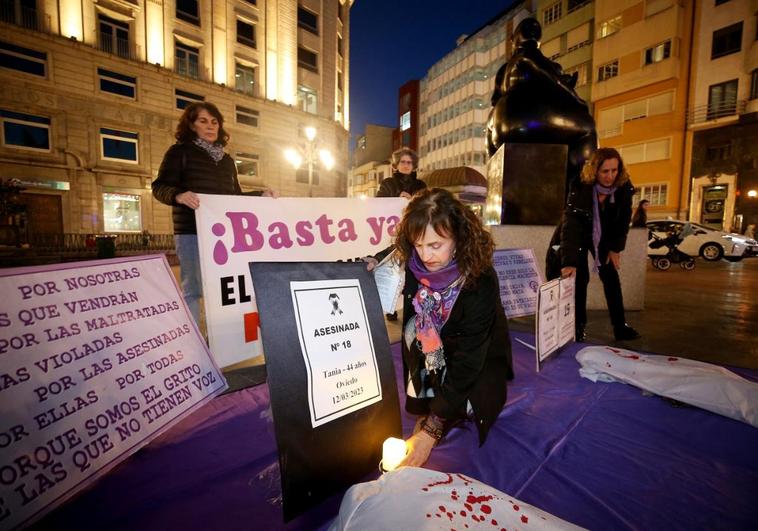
[335, 300]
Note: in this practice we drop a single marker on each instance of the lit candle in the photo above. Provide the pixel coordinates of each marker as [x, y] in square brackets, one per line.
[393, 451]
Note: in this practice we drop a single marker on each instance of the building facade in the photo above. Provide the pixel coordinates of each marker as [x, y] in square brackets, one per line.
[455, 94]
[371, 161]
[722, 119]
[641, 68]
[406, 134]
[91, 92]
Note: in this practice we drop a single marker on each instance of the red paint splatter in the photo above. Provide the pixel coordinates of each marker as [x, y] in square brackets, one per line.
[486, 509]
[608, 364]
[515, 507]
[462, 513]
[445, 482]
[468, 506]
[442, 508]
[673, 359]
[428, 515]
[616, 351]
[478, 499]
[524, 518]
[450, 516]
[494, 522]
[425, 489]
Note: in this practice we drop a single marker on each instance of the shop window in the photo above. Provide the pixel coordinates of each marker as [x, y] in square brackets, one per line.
[246, 116]
[246, 33]
[121, 213]
[244, 78]
[726, 41]
[184, 98]
[115, 83]
[25, 131]
[120, 146]
[23, 59]
[307, 20]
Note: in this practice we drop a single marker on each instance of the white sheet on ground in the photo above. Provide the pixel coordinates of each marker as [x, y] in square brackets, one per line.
[693, 382]
[419, 499]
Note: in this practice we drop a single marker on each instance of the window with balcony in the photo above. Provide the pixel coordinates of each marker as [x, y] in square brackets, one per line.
[20, 12]
[121, 213]
[658, 53]
[23, 59]
[552, 13]
[247, 165]
[119, 146]
[188, 11]
[246, 33]
[608, 70]
[113, 36]
[25, 131]
[307, 99]
[118, 84]
[608, 27]
[307, 59]
[307, 20]
[184, 98]
[186, 60]
[246, 116]
[722, 99]
[244, 78]
[726, 41]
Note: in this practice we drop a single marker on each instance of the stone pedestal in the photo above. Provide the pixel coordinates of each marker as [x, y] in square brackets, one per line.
[526, 184]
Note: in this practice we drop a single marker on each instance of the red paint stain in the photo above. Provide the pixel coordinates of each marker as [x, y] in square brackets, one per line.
[608, 364]
[486, 509]
[515, 507]
[445, 482]
[630, 356]
[673, 359]
[425, 489]
[468, 506]
[442, 508]
[524, 518]
[450, 516]
[478, 499]
[428, 515]
[494, 522]
[462, 513]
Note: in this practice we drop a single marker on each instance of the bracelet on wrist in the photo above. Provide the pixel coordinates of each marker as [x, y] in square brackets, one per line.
[435, 432]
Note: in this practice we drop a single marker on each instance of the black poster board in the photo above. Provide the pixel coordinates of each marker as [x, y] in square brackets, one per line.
[316, 462]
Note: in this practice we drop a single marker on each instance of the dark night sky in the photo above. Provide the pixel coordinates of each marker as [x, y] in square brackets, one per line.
[394, 41]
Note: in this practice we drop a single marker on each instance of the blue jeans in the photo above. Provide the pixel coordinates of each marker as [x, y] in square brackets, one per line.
[189, 265]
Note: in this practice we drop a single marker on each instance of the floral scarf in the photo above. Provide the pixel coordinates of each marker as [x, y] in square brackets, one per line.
[215, 151]
[433, 301]
[597, 231]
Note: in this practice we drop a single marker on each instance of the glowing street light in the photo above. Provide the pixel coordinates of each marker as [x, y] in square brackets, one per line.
[309, 153]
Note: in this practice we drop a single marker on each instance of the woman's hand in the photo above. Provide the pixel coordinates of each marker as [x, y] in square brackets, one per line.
[370, 262]
[270, 193]
[615, 259]
[405, 195]
[188, 199]
[567, 272]
[419, 446]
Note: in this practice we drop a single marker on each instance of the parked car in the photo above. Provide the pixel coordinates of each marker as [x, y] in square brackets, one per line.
[711, 244]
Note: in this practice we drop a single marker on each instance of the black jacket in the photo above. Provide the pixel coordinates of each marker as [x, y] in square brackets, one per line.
[477, 355]
[398, 183]
[187, 167]
[574, 234]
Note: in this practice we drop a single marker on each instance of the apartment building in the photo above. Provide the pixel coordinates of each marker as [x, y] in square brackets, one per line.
[371, 161]
[641, 63]
[455, 94]
[567, 35]
[91, 92]
[722, 119]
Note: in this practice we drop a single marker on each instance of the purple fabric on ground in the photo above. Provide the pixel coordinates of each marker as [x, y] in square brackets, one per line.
[602, 456]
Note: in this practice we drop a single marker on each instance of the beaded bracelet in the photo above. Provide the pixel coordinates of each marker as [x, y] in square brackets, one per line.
[433, 426]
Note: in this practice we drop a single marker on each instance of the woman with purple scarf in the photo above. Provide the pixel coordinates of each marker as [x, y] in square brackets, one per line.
[456, 348]
[596, 220]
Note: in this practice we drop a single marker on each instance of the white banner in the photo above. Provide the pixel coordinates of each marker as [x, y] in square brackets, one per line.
[519, 279]
[235, 230]
[338, 351]
[96, 359]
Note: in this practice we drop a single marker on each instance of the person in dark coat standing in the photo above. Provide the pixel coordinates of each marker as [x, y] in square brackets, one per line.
[196, 164]
[639, 219]
[455, 342]
[596, 220]
[403, 183]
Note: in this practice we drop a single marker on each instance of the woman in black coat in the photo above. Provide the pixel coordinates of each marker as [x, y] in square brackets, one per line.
[456, 348]
[196, 164]
[596, 220]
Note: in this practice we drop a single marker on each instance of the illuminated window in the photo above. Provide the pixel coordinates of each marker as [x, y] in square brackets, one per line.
[25, 131]
[114, 36]
[187, 60]
[658, 53]
[609, 27]
[552, 13]
[608, 70]
[307, 99]
[244, 78]
[657, 194]
[120, 146]
[405, 121]
[121, 213]
[247, 165]
[246, 116]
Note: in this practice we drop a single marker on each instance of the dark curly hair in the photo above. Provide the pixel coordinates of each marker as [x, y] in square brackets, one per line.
[184, 132]
[451, 218]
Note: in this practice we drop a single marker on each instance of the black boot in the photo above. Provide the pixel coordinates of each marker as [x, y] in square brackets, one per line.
[625, 332]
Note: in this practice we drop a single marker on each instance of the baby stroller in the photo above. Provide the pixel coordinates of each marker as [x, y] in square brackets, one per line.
[674, 255]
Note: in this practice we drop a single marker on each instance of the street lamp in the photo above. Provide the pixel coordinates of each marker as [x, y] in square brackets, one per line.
[309, 153]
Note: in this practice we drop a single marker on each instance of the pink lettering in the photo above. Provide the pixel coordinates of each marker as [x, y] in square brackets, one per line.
[304, 236]
[376, 227]
[347, 230]
[280, 235]
[323, 223]
[247, 237]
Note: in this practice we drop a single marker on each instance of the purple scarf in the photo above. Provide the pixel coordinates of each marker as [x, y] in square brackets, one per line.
[597, 231]
[433, 301]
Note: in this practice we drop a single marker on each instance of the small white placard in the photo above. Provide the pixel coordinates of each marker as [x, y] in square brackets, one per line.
[390, 278]
[519, 279]
[555, 317]
[337, 348]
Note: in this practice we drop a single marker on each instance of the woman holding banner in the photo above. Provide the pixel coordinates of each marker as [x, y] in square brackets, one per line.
[455, 344]
[196, 164]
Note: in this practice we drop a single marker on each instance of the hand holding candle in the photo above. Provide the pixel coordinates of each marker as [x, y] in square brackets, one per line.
[393, 452]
